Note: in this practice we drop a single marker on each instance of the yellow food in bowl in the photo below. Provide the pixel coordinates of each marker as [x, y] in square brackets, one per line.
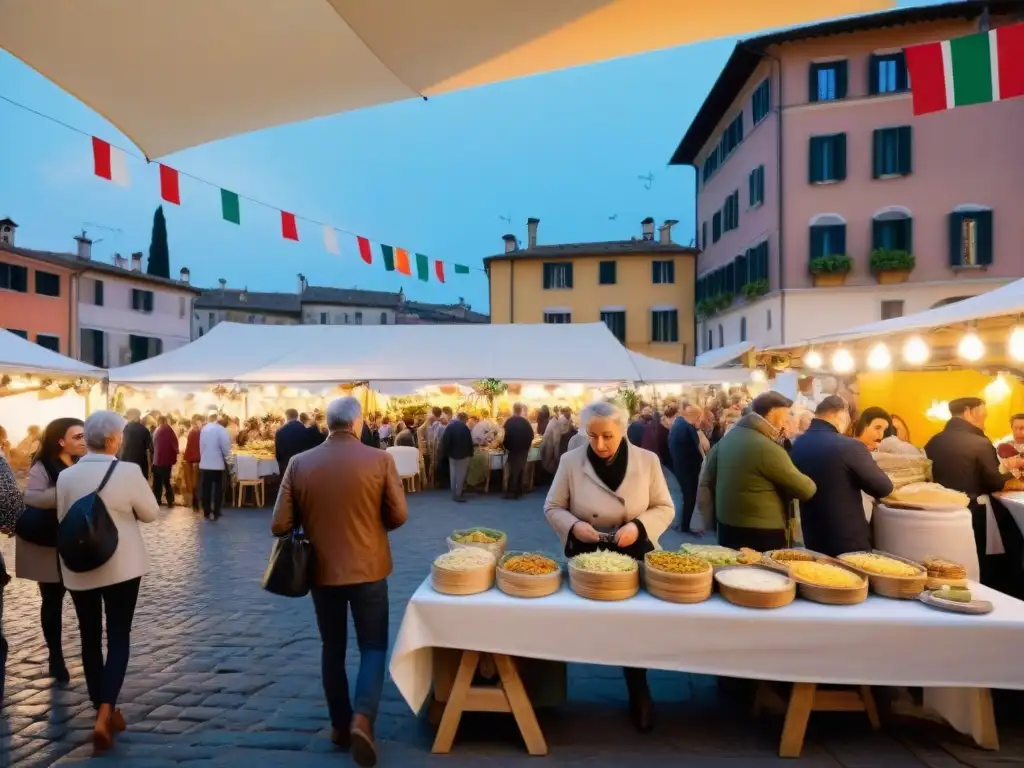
[530, 565]
[671, 562]
[791, 555]
[879, 564]
[824, 574]
[476, 537]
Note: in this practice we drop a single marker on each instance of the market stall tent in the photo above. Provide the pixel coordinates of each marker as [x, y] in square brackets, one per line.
[654, 371]
[171, 75]
[723, 357]
[18, 355]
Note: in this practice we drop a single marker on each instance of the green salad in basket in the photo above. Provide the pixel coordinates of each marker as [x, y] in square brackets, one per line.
[713, 553]
[477, 536]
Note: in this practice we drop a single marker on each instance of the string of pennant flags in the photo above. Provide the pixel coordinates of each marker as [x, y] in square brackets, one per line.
[110, 163]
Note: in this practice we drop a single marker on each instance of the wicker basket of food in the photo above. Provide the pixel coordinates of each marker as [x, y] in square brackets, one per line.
[528, 574]
[604, 575]
[677, 578]
[780, 558]
[720, 557]
[944, 573]
[463, 571]
[904, 469]
[482, 538]
[755, 586]
[890, 576]
[826, 581]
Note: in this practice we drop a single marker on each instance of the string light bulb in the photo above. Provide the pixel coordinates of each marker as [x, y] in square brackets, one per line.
[879, 358]
[1015, 346]
[813, 359]
[842, 361]
[915, 351]
[997, 390]
[971, 347]
[758, 376]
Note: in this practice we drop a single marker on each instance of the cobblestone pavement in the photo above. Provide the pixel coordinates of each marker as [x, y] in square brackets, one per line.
[223, 674]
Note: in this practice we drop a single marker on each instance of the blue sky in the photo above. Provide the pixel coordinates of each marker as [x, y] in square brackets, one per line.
[435, 177]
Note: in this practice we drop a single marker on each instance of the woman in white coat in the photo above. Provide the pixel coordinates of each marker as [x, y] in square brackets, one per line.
[611, 494]
[113, 588]
[62, 445]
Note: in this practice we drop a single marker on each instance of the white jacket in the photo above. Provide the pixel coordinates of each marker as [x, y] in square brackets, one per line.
[214, 446]
[129, 500]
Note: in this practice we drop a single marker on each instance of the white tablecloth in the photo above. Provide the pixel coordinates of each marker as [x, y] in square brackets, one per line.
[1014, 502]
[264, 467]
[879, 642]
[498, 459]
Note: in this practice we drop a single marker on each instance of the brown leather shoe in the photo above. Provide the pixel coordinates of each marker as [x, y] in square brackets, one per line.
[364, 752]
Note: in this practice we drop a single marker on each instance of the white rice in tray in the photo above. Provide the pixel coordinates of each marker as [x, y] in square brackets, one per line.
[754, 579]
[465, 559]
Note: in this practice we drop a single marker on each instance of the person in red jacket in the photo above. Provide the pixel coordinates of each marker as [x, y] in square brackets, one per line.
[165, 456]
[190, 474]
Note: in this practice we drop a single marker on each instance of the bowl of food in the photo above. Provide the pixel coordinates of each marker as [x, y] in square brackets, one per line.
[528, 574]
[783, 556]
[677, 578]
[755, 586]
[828, 582]
[889, 575]
[482, 538]
[604, 575]
[721, 556]
[463, 571]
[944, 573]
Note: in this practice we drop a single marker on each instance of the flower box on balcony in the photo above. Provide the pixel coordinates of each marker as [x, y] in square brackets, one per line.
[830, 271]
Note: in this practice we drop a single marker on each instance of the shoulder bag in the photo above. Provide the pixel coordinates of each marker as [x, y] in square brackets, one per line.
[291, 563]
[37, 526]
[87, 536]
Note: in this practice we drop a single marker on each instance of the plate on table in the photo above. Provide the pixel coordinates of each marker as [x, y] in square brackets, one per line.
[974, 607]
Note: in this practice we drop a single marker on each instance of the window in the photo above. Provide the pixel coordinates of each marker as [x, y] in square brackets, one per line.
[213, 319]
[768, 320]
[762, 101]
[721, 336]
[704, 235]
[325, 319]
[828, 81]
[665, 325]
[616, 322]
[47, 283]
[711, 340]
[888, 73]
[828, 240]
[49, 342]
[743, 329]
[606, 273]
[716, 227]
[970, 238]
[892, 152]
[894, 234]
[732, 136]
[181, 307]
[142, 301]
[144, 347]
[827, 161]
[752, 265]
[557, 275]
[23, 334]
[756, 186]
[359, 318]
[892, 308]
[710, 165]
[663, 272]
[557, 318]
[731, 212]
[97, 294]
[14, 278]
[383, 318]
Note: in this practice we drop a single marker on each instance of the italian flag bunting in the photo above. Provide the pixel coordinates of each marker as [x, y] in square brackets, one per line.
[389, 257]
[423, 267]
[331, 241]
[439, 270]
[461, 269]
[975, 69]
[229, 207]
[110, 163]
[402, 262]
[169, 189]
[365, 252]
[289, 226]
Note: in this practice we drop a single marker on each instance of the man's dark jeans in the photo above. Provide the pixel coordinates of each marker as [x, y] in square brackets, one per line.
[103, 679]
[162, 484]
[212, 481]
[516, 470]
[370, 606]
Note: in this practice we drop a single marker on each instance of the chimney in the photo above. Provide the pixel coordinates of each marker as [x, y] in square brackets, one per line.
[531, 230]
[243, 296]
[137, 261]
[7, 229]
[665, 231]
[223, 284]
[510, 243]
[84, 244]
[303, 285]
[401, 295]
[119, 261]
[648, 228]
[185, 275]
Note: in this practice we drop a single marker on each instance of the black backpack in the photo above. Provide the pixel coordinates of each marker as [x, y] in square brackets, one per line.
[87, 537]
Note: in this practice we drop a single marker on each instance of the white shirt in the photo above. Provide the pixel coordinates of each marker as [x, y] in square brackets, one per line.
[214, 446]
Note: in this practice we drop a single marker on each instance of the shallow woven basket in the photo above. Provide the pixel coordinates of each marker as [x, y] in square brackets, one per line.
[833, 595]
[678, 587]
[595, 585]
[462, 583]
[752, 598]
[525, 585]
[496, 548]
[895, 587]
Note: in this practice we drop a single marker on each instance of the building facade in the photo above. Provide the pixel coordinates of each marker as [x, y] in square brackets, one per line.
[643, 289]
[809, 158]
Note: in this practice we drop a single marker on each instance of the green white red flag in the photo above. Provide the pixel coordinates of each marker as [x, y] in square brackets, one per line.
[974, 69]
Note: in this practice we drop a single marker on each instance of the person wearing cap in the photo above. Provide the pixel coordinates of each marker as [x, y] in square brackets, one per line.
[833, 520]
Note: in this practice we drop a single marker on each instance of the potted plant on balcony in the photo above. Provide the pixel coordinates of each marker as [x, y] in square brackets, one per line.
[830, 271]
[755, 289]
[891, 266]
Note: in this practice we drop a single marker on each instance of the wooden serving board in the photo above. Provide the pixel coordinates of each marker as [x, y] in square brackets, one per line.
[974, 608]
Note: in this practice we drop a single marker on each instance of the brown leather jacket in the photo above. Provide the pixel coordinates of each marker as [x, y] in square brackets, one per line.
[347, 496]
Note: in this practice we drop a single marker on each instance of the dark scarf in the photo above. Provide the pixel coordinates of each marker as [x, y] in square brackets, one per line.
[613, 472]
[55, 466]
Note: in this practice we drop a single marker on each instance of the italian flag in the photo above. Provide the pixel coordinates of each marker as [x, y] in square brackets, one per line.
[109, 163]
[976, 69]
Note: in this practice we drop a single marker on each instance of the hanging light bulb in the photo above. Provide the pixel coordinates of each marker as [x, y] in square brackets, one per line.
[997, 390]
[813, 359]
[1015, 346]
[971, 347]
[842, 361]
[879, 358]
[758, 376]
[915, 351]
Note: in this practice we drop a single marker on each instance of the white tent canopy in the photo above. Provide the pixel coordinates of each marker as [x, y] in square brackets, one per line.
[723, 356]
[20, 356]
[309, 354]
[654, 371]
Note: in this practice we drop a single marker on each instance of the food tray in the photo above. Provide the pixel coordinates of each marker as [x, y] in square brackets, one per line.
[895, 587]
[832, 595]
[750, 598]
[766, 557]
[469, 582]
[496, 548]
[678, 587]
[604, 586]
[525, 585]
[974, 608]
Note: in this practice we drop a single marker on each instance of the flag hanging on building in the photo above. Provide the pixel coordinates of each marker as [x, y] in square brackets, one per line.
[110, 163]
[365, 252]
[402, 262]
[461, 269]
[439, 270]
[331, 240]
[230, 210]
[169, 188]
[422, 267]
[289, 227]
[975, 69]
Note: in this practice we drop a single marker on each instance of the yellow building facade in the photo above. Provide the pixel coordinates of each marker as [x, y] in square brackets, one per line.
[643, 289]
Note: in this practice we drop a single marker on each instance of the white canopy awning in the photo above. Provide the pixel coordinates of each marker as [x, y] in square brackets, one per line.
[724, 356]
[585, 353]
[654, 371]
[20, 356]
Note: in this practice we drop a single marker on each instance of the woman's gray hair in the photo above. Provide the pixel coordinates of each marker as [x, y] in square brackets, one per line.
[602, 409]
[343, 413]
[100, 427]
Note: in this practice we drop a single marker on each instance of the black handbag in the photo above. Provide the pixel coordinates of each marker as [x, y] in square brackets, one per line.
[37, 526]
[291, 563]
[87, 536]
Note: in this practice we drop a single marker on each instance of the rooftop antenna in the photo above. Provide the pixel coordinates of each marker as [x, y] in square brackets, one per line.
[507, 219]
[648, 180]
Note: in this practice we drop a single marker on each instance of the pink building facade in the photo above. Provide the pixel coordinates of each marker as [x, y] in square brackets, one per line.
[807, 147]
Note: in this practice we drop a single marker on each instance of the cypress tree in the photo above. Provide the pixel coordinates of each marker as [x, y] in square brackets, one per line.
[159, 263]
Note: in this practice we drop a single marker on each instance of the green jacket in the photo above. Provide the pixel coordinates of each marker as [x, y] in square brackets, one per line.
[748, 479]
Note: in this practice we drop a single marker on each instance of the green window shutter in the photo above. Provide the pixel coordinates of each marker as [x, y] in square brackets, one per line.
[877, 152]
[838, 239]
[876, 234]
[760, 184]
[904, 150]
[814, 160]
[842, 78]
[902, 81]
[873, 74]
[985, 240]
[568, 281]
[817, 242]
[752, 187]
[839, 150]
[812, 83]
[956, 233]
[905, 235]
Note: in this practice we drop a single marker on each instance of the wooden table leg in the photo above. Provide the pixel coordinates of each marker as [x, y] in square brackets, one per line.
[520, 705]
[456, 703]
[984, 729]
[870, 708]
[797, 714]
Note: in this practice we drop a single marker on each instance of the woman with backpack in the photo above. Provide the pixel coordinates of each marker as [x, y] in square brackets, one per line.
[117, 497]
[63, 444]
